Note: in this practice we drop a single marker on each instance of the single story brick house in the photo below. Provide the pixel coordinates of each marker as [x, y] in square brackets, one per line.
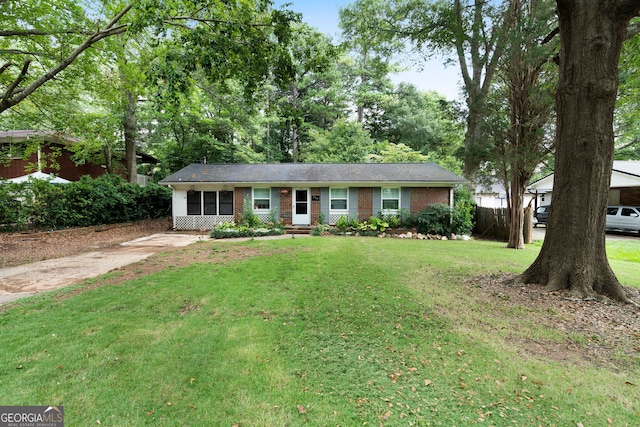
[205, 195]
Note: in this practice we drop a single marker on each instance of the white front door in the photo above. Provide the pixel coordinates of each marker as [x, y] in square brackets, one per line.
[301, 206]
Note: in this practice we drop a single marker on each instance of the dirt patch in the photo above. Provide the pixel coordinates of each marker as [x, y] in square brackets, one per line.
[596, 332]
[24, 248]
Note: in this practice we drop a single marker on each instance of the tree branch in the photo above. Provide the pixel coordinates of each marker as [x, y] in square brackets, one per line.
[11, 89]
[20, 52]
[21, 33]
[5, 66]
[551, 35]
[12, 97]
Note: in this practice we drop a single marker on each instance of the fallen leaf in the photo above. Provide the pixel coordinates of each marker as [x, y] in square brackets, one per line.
[169, 403]
[427, 382]
[301, 409]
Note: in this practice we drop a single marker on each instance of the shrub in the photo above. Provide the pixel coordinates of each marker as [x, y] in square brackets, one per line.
[435, 219]
[440, 219]
[105, 200]
[342, 224]
[249, 218]
[227, 230]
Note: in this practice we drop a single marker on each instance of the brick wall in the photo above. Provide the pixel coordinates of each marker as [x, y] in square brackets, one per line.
[66, 168]
[423, 197]
[238, 203]
[365, 204]
[286, 208]
[315, 205]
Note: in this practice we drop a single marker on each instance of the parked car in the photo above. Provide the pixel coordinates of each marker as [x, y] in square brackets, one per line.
[623, 218]
[541, 215]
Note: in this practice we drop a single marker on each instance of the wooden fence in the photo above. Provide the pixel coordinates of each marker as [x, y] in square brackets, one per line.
[494, 223]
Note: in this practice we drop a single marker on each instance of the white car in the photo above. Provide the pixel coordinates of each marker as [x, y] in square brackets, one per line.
[623, 218]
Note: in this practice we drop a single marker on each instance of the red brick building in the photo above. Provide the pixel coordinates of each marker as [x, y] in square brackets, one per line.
[205, 195]
[23, 152]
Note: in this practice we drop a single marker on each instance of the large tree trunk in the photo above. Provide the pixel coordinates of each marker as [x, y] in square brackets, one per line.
[573, 256]
[516, 214]
[129, 125]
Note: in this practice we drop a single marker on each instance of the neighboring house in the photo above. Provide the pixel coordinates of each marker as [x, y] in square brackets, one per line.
[205, 195]
[51, 147]
[493, 195]
[624, 187]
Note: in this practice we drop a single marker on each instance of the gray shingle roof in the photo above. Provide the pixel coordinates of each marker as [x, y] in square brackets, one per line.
[314, 173]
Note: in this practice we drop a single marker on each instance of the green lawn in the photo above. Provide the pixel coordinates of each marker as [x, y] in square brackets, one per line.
[314, 331]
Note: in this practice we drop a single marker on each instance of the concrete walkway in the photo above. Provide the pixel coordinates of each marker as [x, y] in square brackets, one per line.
[28, 279]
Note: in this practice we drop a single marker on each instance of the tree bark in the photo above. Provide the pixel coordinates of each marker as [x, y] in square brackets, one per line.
[129, 125]
[573, 256]
[516, 214]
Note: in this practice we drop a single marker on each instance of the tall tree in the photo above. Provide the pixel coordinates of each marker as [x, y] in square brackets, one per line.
[519, 118]
[573, 256]
[372, 52]
[310, 54]
[424, 121]
[346, 142]
[475, 33]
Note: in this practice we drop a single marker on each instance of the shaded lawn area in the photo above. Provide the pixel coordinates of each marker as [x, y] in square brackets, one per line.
[314, 331]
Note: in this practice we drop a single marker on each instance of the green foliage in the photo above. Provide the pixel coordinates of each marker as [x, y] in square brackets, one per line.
[435, 219]
[249, 218]
[228, 230]
[346, 142]
[320, 229]
[104, 200]
[321, 218]
[627, 113]
[10, 204]
[378, 224]
[418, 127]
[440, 219]
[342, 224]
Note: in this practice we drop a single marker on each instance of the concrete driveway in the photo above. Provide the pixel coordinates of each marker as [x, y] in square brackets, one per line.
[28, 279]
[539, 233]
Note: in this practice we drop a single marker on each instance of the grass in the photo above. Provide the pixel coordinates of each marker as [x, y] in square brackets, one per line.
[318, 332]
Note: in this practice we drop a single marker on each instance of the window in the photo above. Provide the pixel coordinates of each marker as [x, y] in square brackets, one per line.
[213, 202]
[262, 199]
[12, 151]
[338, 199]
[612, 210]
[194, 203]
[210, 202]
[629, 212]
[226, 203]
[390, 199]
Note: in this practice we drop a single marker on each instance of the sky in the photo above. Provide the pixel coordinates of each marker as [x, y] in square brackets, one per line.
[432, 75]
